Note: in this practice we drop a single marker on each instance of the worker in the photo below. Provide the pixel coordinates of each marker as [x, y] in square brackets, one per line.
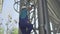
[24, 24]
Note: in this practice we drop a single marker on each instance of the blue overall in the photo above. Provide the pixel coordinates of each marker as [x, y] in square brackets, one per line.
[23, 22]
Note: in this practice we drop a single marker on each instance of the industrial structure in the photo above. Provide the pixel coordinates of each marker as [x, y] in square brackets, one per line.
[45, 15]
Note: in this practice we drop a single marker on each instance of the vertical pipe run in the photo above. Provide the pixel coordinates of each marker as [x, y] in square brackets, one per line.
[40, 17]
[46, 17]
[44, 26]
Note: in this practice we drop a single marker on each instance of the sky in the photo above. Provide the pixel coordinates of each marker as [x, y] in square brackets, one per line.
[8, 10]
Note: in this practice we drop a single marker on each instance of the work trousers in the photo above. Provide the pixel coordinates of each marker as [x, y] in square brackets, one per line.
[23, 25]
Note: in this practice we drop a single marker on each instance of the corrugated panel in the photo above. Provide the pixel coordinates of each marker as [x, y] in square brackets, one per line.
[54, 9]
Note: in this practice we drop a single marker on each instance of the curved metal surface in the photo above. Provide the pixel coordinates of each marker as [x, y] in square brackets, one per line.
[55, 10]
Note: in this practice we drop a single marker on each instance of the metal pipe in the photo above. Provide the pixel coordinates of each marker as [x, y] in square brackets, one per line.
[40, 17]
[44, 26]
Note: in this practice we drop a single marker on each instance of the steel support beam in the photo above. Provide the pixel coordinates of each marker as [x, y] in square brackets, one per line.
[40, 17]
[44, 26]
[19, 15]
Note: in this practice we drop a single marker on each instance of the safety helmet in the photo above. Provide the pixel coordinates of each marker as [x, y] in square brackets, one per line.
[23, 6]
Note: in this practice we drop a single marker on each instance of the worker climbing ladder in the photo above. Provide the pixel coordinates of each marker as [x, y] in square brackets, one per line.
[36, 15]
[33, 18]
